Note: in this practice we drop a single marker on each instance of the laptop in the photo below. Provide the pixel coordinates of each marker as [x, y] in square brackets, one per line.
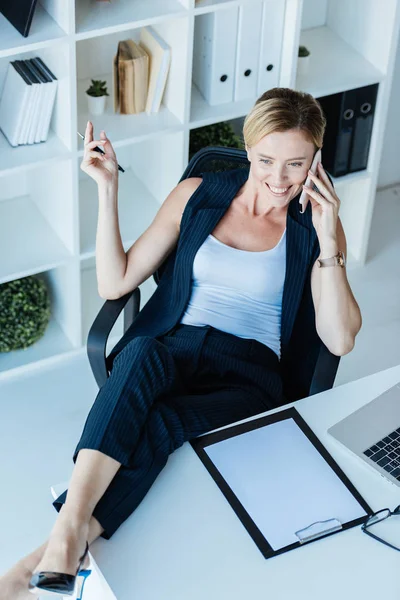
[373, 433]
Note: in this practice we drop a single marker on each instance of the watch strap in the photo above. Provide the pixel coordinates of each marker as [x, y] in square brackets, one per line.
[334, 261]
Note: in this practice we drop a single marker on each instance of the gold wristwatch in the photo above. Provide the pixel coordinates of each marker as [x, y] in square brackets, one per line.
[335, 261]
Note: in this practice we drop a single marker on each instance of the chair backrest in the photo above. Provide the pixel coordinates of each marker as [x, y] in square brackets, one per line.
[212, 159]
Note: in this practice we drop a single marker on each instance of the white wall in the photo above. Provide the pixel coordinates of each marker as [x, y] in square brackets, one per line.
[389, 170]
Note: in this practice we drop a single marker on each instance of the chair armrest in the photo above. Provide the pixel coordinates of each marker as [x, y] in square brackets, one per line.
[325, 371]
[102, 326]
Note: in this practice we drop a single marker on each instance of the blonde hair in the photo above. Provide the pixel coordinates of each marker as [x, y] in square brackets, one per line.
[281, 109]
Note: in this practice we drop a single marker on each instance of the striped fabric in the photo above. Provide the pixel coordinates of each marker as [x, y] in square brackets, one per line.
[300, 343]
[163, 392]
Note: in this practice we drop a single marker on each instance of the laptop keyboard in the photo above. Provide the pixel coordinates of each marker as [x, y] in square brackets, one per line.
[386, 453]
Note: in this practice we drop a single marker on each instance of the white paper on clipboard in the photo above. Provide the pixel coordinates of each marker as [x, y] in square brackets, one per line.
[282, 481]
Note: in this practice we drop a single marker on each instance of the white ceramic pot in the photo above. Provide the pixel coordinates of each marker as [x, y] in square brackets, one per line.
[303, 63]
[97, 104]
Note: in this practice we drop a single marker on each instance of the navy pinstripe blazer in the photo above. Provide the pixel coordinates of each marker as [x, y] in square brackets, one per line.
[300, 343]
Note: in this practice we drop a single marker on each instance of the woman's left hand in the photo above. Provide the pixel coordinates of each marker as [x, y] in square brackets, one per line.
[325, 206]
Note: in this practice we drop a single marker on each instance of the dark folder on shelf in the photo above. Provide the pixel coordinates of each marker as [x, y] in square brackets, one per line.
[349, 116]
[339, 110]
[364, 119]
[281, 482]
[19, 13]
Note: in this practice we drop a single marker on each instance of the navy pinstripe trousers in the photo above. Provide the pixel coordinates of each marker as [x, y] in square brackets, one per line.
[164, 391]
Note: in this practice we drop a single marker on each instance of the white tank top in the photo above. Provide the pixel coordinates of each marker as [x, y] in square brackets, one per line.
[239, 291]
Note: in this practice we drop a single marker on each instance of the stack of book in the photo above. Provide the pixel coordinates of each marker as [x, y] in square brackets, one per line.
[140, 73]
[131, 67]
[27, 101]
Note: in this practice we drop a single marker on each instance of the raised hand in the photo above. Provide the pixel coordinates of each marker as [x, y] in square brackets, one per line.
[102, 168]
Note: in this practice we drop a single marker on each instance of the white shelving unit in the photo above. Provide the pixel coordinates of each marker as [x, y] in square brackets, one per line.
[48, 206]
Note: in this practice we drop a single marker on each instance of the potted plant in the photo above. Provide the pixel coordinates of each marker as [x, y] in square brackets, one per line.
[218, 134]
[303, 60]
[96, 95]
[25, 312]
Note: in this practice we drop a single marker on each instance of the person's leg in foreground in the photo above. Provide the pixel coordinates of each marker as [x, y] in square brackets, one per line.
[104, 489]
[92, 473]
[73, 527]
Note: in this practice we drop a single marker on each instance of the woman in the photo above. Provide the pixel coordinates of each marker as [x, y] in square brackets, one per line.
[217, 353]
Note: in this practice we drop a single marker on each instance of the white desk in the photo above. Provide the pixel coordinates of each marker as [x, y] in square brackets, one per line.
[184, 542]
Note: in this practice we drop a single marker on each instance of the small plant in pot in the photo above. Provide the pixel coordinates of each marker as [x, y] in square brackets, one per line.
[96, 95]
[303, 60]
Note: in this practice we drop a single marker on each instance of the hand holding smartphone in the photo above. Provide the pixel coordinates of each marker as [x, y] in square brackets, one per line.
[303, 200]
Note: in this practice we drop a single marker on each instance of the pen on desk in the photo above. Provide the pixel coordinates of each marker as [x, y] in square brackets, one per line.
[97, 149]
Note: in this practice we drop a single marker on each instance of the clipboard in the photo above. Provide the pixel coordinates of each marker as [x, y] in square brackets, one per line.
[280, 480]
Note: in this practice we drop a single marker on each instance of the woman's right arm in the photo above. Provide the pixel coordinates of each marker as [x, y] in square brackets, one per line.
[118, 272]
[154, 245]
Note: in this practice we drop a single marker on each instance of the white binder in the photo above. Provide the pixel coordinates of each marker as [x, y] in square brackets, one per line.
[34, 106]
[14, 103]
[41, 104]
[26, 131]
[248, 48]
[271, 45]
[214, 54]
[52, 89]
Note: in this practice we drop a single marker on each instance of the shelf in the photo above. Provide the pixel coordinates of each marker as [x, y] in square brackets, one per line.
[100, 18]
[123, 129]
[29, 156]
[203, 6]
[53, 343]
[328, 52]
[49, 207]
[351, 177]
[27, 245]
[137, 208]
[201, 113]
[334, 65]
[44, 31]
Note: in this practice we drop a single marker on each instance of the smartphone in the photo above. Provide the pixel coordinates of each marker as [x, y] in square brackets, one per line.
[303, 200]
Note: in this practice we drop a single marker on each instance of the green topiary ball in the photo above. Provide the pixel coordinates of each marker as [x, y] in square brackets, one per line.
[24, 313]
[218, 134]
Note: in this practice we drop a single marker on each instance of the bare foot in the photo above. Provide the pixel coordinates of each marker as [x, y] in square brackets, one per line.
[14, 584]
[65, 547]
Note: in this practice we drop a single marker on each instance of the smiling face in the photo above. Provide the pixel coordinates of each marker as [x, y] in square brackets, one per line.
[279, 165]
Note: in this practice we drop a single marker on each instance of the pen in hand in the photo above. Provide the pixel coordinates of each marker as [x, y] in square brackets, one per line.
[97, 149]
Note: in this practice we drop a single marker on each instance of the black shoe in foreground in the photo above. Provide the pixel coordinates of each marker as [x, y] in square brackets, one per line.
[48, 583]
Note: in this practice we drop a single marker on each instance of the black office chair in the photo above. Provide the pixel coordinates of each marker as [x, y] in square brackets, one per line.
[212, 159]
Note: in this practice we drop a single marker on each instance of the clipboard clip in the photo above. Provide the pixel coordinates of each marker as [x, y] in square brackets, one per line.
[318, 529]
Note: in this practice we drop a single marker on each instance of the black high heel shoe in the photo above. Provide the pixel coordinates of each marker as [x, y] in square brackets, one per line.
[48, 583]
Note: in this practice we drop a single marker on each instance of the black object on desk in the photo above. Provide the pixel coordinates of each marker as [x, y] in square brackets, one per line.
[281, 481]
